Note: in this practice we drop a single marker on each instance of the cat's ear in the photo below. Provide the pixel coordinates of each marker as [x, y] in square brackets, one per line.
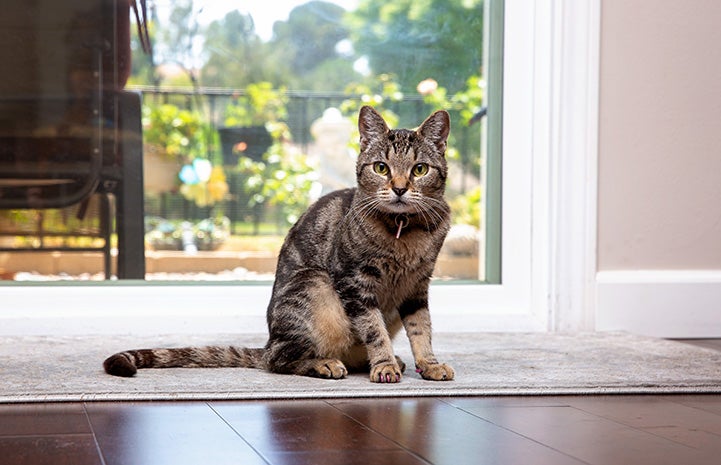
[370, 125]
[435, 129]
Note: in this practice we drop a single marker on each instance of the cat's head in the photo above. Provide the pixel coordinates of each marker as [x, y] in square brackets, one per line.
[402, 171]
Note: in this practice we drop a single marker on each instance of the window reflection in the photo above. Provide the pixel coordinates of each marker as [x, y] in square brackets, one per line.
[239, 120]
[70, 139]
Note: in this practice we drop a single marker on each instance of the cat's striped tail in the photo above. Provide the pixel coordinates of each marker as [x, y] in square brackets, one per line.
[127, 363]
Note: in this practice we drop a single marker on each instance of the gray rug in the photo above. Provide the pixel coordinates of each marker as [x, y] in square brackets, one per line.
[45, 369]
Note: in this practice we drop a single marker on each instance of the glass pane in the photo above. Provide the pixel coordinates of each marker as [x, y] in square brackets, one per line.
[243, 115]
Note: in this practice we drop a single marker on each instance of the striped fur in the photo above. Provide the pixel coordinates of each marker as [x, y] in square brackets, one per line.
[352, 271]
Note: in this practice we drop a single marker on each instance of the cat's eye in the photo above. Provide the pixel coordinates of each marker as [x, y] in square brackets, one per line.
[421, 169]
[381, 168]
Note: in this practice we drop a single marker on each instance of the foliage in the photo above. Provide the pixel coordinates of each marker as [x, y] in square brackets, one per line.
[317, 46]
[283, 179]
[466, 208]
[180, 42]
[19, 216]
[259, 105]
[180, 134]
[143, 66]
[305, 49]
[301, 54]
[235, 55]
[466, 103]
[378, 94]
[417, 39]
[309, 36]
[330, 75]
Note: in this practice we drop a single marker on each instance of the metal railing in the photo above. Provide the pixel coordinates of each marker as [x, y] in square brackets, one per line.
[304, 107]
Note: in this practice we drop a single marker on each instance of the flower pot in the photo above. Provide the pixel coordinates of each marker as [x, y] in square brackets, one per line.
[251, 142]
[160, 174]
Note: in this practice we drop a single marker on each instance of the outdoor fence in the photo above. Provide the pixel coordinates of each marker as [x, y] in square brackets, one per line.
[303, 107]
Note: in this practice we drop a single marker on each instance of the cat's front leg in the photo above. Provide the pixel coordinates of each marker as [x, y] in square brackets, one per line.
[417, 322]
[371, 329]
[357, 292]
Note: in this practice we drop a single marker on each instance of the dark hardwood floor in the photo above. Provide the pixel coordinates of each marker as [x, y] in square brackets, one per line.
[682, 429]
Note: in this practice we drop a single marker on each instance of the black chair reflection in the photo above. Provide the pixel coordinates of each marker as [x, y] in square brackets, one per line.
[69, 134]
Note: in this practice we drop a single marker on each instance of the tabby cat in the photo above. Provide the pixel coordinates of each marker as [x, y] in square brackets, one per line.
[353, 270]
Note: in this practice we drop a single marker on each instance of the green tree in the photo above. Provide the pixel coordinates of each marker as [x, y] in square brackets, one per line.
[310, 35]
[180, 39]
[419, 39]
[305, 47]
[234, 54]
[143, 65]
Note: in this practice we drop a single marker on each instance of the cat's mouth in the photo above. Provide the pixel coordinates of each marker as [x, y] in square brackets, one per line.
[399, 205]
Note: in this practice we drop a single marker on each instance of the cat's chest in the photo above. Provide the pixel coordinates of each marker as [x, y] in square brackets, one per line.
[396, 265]
[412, 252]
[400, 277]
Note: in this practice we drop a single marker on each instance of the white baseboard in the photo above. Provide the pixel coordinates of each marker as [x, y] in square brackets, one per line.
[664, 303]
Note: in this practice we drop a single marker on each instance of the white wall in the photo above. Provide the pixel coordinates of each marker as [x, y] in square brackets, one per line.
[659, 197]
[660, 135]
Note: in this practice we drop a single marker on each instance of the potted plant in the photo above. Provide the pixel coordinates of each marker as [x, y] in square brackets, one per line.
[171, 137]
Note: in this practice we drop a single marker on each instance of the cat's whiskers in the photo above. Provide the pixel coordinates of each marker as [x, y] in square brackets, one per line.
[419, 211]
[364, 208]
[433, 202]
[428, 207]
[416, 201]
[436, 216]
[362, 211]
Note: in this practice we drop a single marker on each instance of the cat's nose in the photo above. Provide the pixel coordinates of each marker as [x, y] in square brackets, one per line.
[400, 191]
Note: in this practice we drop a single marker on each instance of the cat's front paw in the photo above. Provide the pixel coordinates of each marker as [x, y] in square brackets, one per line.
[329, 369]
[436, 372]
[386, 373]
